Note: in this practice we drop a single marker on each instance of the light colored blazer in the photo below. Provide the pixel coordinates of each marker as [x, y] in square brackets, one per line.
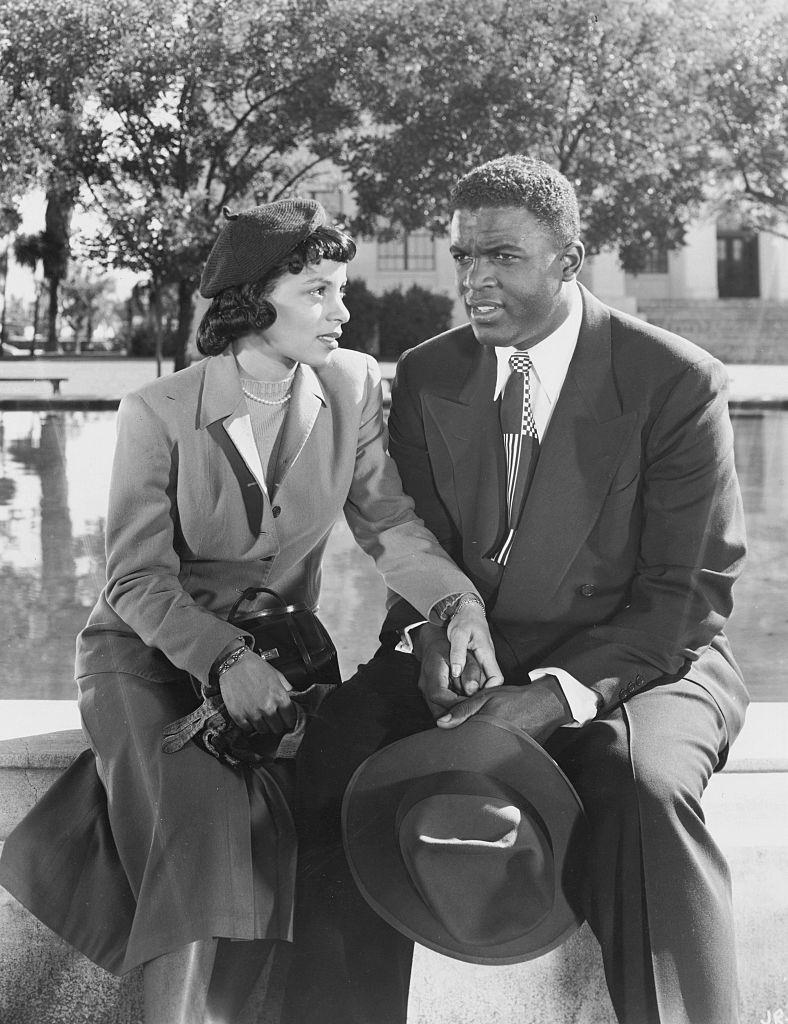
[191, 523]
[632, 533]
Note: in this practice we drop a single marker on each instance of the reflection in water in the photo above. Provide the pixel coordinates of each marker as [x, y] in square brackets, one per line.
[759, 626]
[46, 590]
[54, 474]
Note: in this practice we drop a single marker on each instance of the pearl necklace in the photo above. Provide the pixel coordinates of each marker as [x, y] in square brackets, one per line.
[267, 401]
[272, 401]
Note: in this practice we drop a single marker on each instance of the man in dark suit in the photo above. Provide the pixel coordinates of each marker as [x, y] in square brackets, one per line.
[578, 464]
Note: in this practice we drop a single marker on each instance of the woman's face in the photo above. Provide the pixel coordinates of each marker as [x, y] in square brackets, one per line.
[310, 311]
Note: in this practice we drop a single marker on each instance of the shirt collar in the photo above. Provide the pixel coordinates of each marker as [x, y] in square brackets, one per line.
[550, 358]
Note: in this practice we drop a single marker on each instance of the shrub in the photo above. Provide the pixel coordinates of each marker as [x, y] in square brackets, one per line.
[361, 331]
[407, 318]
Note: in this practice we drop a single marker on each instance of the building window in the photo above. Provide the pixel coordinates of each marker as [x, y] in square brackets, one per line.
[737, 265]
[655, 261]
[414, 250]
[332, 199]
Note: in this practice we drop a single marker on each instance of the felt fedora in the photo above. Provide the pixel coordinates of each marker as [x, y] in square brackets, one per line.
[253, 241]
[468, 841]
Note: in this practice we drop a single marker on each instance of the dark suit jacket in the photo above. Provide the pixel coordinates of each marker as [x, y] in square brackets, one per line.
[632, 533]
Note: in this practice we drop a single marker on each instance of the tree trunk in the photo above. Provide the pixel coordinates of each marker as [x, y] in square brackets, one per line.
[186, 290]
[155, 319]
[36, 317]
[57, 231]
[52, 344]
[3, 299]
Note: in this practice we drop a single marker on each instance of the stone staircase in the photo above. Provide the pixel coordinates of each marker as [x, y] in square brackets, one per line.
[734, 330]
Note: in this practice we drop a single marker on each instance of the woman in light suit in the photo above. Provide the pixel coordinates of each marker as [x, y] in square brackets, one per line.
[227, 475]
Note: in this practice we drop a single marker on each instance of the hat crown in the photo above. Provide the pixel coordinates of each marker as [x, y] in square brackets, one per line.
[252, 242]
[478, 858]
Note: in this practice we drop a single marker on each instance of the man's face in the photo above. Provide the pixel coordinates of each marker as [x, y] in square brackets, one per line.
[510, 273]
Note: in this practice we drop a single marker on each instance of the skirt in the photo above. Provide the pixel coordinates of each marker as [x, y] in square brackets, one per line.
[133, 853]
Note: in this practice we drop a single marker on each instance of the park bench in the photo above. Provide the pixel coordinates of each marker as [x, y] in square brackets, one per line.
[54, 381]
[42, 981]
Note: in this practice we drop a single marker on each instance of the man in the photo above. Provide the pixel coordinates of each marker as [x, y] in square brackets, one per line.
[602, 524]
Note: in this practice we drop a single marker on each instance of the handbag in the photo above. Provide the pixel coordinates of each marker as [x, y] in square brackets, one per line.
[294, 641]
[291, 637]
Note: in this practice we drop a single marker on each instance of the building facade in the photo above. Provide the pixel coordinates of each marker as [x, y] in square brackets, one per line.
[726, 288]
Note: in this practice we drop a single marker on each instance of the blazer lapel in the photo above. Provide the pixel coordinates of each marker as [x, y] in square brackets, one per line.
[224, 414]
[306, 402]
[582, 449]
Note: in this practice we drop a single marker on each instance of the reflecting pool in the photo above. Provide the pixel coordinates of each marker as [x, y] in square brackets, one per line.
[54, 473]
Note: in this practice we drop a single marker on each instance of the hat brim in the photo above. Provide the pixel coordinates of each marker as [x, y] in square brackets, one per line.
[490, 747]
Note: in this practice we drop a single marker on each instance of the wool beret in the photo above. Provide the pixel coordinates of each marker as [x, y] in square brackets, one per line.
[255, 240]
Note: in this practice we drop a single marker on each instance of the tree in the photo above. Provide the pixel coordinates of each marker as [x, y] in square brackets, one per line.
[28, 253]
[87, 300]
[25, 118]
[747, 97]
[606, 93]
[200, 107]
[52, 48]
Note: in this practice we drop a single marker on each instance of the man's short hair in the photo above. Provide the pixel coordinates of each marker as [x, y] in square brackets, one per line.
[522, 181]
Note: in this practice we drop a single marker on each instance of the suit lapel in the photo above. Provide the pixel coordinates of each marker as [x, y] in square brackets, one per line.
[462, 412]
[581, 452]
[306, 402]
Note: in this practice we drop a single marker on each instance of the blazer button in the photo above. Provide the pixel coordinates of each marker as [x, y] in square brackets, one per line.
[587, 590]
[275, 511]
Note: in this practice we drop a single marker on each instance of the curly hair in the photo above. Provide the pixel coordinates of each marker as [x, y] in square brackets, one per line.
[242, 308]
[522, 181]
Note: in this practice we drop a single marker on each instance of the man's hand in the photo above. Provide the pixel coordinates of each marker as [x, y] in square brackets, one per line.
[537, 708]
[440, 689]
[257, 696]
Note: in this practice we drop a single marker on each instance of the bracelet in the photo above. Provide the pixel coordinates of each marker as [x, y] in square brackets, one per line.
[465, 599]
[232, 658]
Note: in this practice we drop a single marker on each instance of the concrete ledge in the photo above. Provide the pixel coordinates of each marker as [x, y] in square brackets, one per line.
[42, 981]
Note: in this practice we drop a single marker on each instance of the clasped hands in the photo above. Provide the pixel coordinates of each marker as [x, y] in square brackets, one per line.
[460, 677]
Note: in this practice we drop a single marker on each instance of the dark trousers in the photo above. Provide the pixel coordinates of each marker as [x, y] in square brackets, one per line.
[656, 888]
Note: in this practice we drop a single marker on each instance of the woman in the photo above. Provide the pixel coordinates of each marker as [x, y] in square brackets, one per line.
[227, 475]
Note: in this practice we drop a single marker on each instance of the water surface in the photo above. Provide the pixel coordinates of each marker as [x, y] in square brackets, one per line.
[54, 474]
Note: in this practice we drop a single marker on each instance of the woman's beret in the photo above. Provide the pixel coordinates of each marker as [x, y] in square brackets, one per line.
[255, 240]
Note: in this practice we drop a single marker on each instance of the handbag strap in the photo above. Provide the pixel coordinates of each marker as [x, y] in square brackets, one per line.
[292, 625]
[251, 592]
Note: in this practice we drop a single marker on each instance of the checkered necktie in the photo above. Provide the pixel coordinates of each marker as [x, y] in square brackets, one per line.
[521, 446]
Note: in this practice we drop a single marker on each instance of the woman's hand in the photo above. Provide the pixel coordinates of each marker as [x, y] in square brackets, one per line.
[468, 632]
[441, 686]
[257, 696]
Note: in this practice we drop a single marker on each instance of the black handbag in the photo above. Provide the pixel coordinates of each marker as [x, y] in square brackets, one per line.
[291, 637]
[294, 641]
